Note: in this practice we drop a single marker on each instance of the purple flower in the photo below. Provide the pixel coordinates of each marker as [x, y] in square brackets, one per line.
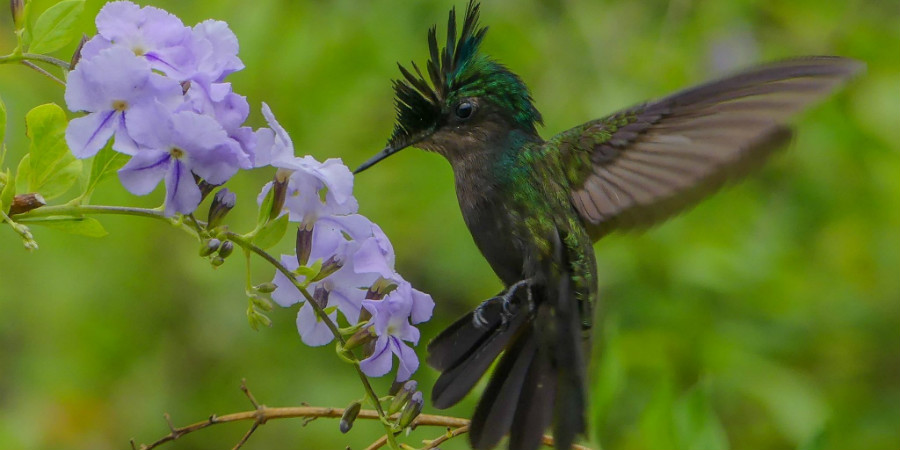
[274, 143]
[214, 48]
[153, 33]
[308, 178]
[228, 108]
[112, 87]
[390, 320]
[173, 147]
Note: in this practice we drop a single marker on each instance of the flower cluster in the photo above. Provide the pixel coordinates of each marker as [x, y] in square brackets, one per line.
[157, 87]
[355, 261]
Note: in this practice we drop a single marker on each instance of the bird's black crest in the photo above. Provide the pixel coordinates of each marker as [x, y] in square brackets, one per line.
[419, 103]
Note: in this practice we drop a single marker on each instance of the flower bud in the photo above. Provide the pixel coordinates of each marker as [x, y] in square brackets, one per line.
[23, 203]
[279, 192]
[411, 410]
[328, 267]
[217, 261]
[210, 246]
[222, 203]
[261, 302]
[17, 8]
[226, 249]
[304, 243]
[265, 288]
[350, 416]
[359, 338]
[76, 56]
[320, 296]
[403, 396]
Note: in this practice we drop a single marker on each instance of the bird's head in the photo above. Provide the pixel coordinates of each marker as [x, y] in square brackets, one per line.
[467, 101]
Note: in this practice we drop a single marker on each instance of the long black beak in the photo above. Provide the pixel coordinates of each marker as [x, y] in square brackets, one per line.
[388, 151]
[396, 147]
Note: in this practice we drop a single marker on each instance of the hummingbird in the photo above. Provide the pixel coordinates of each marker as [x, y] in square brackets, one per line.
[536, 207]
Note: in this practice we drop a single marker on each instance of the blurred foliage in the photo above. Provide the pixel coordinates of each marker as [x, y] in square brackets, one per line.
[768, 317]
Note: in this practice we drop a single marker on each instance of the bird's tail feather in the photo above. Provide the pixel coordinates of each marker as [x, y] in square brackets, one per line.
[464, 351]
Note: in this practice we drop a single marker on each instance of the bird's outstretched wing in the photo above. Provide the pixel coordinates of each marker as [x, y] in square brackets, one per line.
[639, 166]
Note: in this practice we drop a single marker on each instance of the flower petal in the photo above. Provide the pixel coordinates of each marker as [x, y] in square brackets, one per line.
[144, 171]
[380, 362]
[87, 135]
[182, 193]
[313, 332]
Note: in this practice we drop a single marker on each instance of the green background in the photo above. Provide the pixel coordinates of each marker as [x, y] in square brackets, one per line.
[766, 318]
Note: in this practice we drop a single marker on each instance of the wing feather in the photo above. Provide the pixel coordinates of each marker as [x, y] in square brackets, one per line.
[647, 163]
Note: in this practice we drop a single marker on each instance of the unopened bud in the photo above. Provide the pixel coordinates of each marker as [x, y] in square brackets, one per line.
[205, 186]
[279, 192]
[222, 203]
[411, 410]
[265, 288]
[23, 203]
[320, 296]
[217, 261]
[17, 8]
[226, 249]
[328, 267]
[304, 243]
[350, 416]
[403, 396]
[261, 302]
[76, 57]
[359, 338]
[209, 247]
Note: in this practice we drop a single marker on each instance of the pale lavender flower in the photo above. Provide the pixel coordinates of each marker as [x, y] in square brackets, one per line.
[111, 87]
[391, 323]
[153, 33]
[173, 147]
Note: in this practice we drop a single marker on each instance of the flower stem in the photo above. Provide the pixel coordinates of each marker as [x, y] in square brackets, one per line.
[12, 58]
[44, 73]
[80, 210]
[370, 392]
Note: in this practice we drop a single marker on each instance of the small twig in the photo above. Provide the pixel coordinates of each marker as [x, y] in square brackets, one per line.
[246, 436]
[450, 434]
[44, 72]
[378, 444]
[249, 394]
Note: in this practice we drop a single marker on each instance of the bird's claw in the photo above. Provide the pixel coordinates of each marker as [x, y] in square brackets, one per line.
[508, 307]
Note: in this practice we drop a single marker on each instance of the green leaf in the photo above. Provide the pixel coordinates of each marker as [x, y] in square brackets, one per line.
[52, 165]
[23, 173]
[264, 208]
[2, 131]
[7, 192]
[697, 426]
[104, 165]
[83, 226]
[61, 180]
[271, 233]
[56, 27]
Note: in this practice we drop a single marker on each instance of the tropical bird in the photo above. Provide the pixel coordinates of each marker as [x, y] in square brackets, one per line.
[535, 208]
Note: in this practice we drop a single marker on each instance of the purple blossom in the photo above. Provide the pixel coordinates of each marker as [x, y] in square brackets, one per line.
[173, 147]
[391, 323]
[112, 97]
[274, 143]
[153, 33]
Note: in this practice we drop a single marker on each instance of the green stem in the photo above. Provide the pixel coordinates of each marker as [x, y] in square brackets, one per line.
[34, 57]
[44, 73]
[370, 392]
[80, 210]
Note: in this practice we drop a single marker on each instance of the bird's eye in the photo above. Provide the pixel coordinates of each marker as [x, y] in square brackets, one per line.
[464, 110]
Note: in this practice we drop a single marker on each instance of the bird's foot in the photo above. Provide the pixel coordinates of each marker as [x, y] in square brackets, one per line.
[508, 307]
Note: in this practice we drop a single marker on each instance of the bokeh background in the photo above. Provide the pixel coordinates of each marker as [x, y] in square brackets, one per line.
[768, 317]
